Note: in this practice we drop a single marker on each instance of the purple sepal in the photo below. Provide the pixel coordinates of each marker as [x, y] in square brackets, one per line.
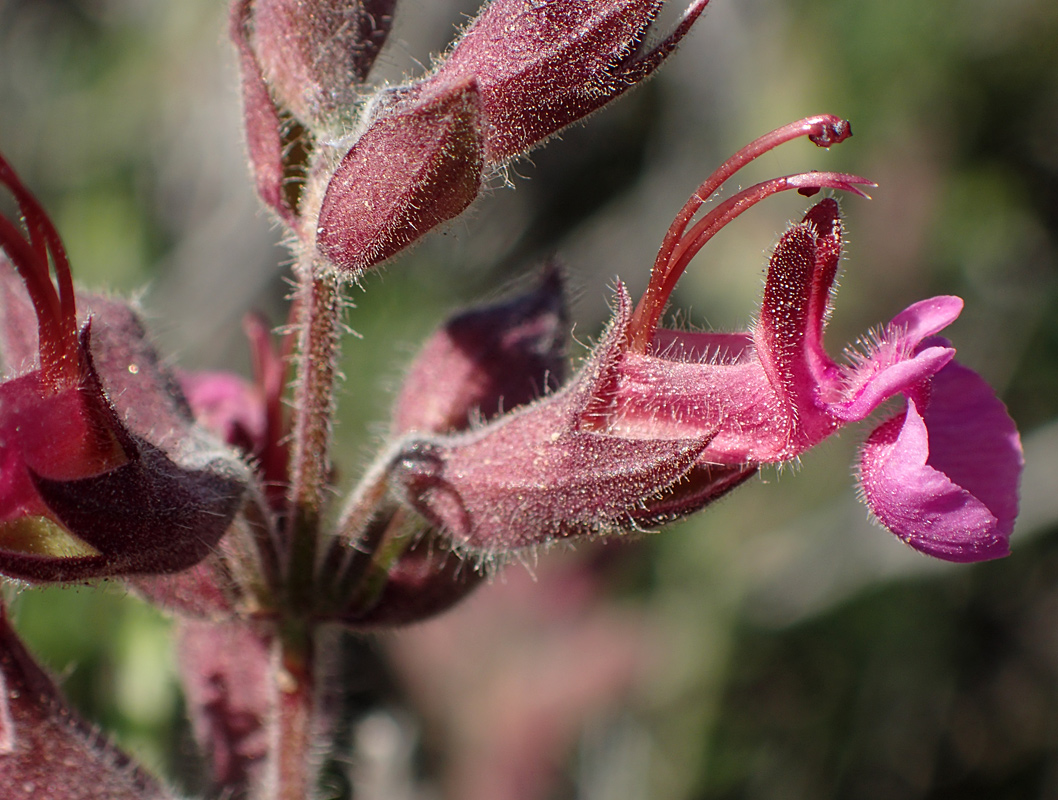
[93, 487]
[149, 516]
[427, 580]
[544, 473]
[418, 165]
[542, 66]
[487, 360]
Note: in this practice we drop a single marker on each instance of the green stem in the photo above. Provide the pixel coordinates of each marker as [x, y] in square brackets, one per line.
[361, 526]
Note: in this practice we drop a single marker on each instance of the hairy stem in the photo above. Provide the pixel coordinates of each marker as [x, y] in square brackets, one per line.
[294, 776]
[319, 307]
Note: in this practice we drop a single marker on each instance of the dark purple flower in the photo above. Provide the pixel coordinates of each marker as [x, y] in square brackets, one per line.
[101, 469]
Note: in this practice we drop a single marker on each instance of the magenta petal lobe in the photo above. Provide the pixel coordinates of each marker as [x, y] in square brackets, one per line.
[946, 481]
[902, 376]
[974, 440]
[928, 317]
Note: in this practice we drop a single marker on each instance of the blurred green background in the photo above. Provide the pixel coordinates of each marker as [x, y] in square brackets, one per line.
[801, 652]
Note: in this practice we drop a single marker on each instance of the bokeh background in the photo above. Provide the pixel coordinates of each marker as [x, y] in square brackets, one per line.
[776, 646]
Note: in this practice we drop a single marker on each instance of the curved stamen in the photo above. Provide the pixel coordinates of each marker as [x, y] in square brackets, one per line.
[678, 246]
[648, 312]
[711, 223]
[55, 308]
[822, 129]
[58, 371]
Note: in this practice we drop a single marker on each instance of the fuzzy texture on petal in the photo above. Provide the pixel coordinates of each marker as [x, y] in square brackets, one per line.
[758, 392]
[486, 360]
[111, 476]
[946, 481]
[772, 393]
[899, 360]
[316, 54]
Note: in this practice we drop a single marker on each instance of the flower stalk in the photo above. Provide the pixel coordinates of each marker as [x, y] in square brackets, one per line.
[292, 738]
[319, 324]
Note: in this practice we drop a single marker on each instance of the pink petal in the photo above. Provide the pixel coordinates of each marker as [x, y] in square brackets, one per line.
[227, 405]
[975, 442]
[946, 482]
[891, 380]
[893, 365]
[927, 317]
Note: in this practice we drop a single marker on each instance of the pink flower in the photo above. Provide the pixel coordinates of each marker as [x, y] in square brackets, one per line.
[946, 483]
[659, 423]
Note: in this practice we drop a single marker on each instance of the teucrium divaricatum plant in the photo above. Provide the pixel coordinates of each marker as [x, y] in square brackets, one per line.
[212, 495]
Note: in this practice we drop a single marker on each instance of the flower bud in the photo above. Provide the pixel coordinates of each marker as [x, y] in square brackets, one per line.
[543, 473]
[416, 166]
[487, 360]
[542, 66]
[102, 471]
[314, 54]
[264, 128]
[46, 750]
[480, 363]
